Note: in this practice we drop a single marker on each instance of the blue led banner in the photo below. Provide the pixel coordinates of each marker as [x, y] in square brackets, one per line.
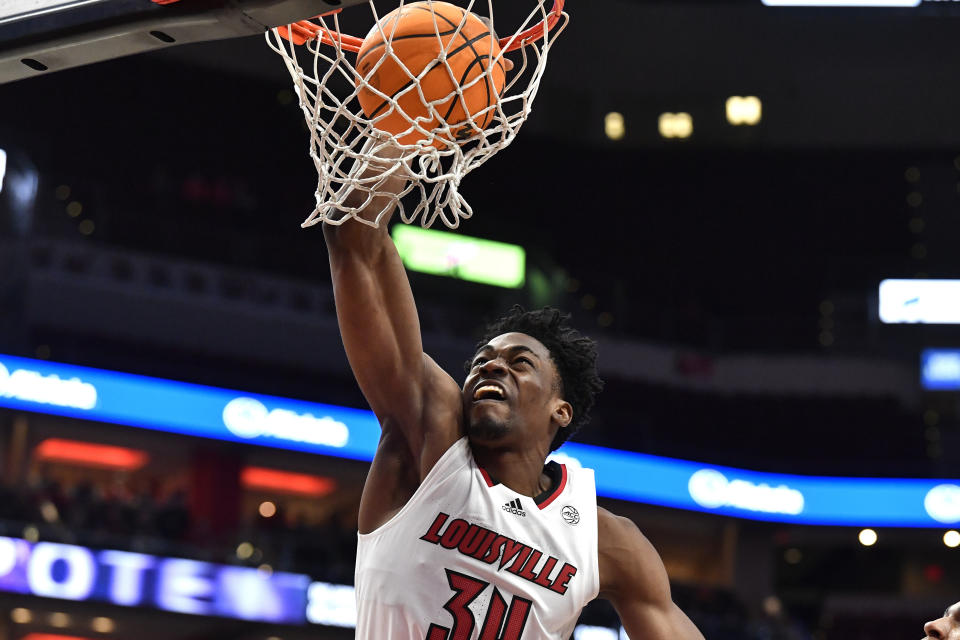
[127, 579]
[768, 496]
[209, 412]
[179, 407]
[842, 3]
[70, 572]
[940, 369]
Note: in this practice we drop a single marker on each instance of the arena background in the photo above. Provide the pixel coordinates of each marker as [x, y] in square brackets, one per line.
[149, 218]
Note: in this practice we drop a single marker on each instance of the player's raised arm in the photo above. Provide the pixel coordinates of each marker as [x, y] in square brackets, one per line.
[379, 324]
[633, 579]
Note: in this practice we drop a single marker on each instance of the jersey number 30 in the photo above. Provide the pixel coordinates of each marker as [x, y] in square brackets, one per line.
[499, 624]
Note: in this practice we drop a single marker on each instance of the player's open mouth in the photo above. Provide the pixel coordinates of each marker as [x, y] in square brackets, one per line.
[489, 392]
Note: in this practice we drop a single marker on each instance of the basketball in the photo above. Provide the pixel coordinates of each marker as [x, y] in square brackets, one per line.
[413, 30]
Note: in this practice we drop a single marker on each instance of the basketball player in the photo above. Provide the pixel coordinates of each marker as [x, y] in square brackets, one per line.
[464, 532]
[947, 627]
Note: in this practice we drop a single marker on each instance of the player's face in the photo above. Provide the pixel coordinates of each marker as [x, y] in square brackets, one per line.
[511, 392]
[946, 627]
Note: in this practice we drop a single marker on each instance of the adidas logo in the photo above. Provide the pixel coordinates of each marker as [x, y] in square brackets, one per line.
[514, 507]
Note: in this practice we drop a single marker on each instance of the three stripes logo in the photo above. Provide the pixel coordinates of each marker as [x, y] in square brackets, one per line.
[514, 507]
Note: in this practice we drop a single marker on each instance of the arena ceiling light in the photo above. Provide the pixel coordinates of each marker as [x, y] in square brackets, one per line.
[19, 615]
[88, 454]
[102, 624]
[744, 110]
[952, 538]
[614, 125]
[675, 125]
[842, 3]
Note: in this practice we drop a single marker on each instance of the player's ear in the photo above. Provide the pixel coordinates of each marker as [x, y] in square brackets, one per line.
[562, 413]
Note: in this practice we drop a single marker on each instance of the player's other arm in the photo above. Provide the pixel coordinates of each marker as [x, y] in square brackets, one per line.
[633, 579]
[381, 331]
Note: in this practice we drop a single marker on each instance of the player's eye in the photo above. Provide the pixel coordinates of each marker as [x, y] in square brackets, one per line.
[479, 361]
[525, 360]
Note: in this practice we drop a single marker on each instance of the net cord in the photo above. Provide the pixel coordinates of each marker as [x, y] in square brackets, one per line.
[345, 144]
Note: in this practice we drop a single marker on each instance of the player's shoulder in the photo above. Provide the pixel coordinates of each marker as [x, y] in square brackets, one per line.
[617, 531]
[442, 381]
[440, 418]
[442, 402]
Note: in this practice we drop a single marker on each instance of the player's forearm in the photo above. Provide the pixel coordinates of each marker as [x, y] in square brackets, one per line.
[374, 200]
[380, 331]
[683, 627]
[658, 622]
[357, 239]
[375, 307]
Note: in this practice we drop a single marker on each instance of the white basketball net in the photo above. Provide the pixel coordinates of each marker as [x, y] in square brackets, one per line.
[343, 141]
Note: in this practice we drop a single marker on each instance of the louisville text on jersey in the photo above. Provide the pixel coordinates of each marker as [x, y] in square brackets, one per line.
[489, 546]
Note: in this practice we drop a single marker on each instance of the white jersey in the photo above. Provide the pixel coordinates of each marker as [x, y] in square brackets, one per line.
[469, 559]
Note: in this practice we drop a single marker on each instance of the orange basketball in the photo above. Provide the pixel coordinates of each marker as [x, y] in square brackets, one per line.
[414, 28]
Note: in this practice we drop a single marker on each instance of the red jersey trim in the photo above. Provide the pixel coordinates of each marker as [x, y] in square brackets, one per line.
[486, 477]
[558, 490]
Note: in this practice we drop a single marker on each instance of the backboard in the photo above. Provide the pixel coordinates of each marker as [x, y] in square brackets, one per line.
[40, 36]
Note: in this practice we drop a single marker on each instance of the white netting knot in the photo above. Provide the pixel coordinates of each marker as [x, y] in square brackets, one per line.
[355, 160]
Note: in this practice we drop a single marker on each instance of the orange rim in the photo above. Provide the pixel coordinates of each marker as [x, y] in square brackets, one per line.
[303, 31]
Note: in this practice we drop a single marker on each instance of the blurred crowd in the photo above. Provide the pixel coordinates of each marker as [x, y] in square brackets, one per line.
[148, 521]
[718, 614]
[151, 520]
[88, 513]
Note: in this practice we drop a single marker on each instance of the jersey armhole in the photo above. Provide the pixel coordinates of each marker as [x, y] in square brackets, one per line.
[454, 458]
[584, 474]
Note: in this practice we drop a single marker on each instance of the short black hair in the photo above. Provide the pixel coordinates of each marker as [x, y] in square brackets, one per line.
[574, 355]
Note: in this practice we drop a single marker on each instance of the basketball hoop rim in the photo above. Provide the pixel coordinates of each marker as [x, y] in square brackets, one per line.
[304, 31]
